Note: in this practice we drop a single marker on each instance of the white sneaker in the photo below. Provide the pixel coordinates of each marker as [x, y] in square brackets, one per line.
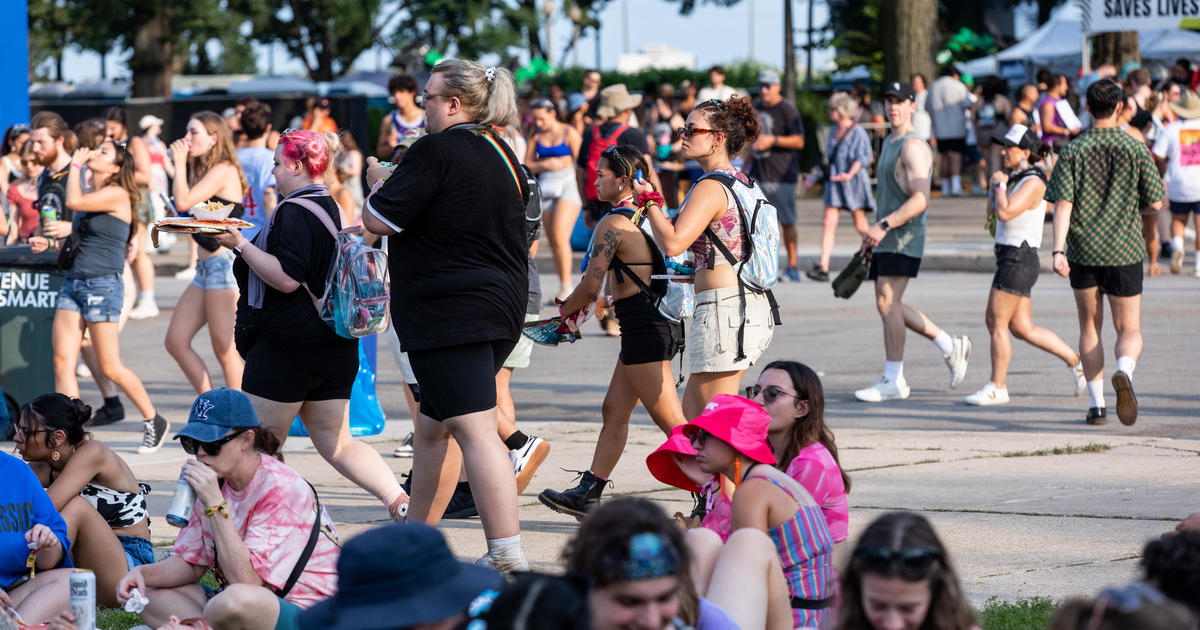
[1177, 261]
[1196, 273]
[1077, 377]
[957, 359]
[144, 309]
[405, 449]
[525, 460]
[187, 273]
[504, 565]
[884, 389]
[988, 395]
[82, 371]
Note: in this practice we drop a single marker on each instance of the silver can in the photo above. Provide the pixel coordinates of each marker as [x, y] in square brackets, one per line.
[83, 598]
[180, 511]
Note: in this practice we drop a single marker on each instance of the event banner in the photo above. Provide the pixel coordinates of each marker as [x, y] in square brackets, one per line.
[1103, 16]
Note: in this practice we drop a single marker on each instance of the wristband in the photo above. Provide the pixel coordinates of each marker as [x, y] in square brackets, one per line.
[1057, 252]
[884, 224]
[222, 509]
[238, 248]
[650, 197]
[78, 166]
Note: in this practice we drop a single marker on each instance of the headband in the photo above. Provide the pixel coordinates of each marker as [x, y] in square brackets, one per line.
[649, 557]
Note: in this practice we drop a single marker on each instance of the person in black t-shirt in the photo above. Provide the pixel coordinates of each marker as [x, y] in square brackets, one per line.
[456, 207]
[53, 144]
[295, 363]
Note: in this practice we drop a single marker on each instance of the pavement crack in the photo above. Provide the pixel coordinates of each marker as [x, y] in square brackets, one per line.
[1110, 517]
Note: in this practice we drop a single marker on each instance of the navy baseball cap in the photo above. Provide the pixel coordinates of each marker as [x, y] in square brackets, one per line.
[900, 90]
[217, 411]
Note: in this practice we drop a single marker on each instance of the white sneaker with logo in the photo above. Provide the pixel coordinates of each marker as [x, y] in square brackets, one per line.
[1077, 378]
[884, 389]
[988, 395]
[527, 459]
[957, 359]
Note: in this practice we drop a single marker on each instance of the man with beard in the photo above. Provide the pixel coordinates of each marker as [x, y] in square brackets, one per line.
[53, 143]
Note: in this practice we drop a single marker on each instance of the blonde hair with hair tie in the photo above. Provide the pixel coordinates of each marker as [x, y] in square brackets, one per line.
[489, 94]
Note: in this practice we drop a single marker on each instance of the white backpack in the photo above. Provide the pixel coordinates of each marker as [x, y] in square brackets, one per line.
[758, 267]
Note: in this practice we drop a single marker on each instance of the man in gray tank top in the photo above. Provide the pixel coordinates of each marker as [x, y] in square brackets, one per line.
[897, 244]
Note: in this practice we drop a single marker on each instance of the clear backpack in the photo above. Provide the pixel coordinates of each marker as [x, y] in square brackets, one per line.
[356, 297]
[759, 270]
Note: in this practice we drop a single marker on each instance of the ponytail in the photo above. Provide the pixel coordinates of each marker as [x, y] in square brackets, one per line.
[490, 94]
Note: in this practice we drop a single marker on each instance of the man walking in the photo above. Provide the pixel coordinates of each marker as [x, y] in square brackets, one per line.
[776, 167]
[947, 104]
[898, 242]
[1177, 153]
[1103, 181]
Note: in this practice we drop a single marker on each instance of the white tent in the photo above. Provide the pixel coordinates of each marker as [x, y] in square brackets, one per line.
[1058, 45]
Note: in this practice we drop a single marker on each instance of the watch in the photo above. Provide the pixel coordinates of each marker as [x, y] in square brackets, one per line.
[884, 224]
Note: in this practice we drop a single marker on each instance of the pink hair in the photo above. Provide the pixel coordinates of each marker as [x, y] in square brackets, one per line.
[309, 148]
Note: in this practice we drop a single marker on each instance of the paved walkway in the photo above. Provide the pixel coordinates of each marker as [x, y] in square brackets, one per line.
[1029, 500]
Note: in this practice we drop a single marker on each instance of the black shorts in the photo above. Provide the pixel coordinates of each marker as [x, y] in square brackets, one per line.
[288, 373]
[888, 264]
[458, 380]
[1184, 208]
[952, 145]
[1120, 281]
[646, 336]
[1017, 269]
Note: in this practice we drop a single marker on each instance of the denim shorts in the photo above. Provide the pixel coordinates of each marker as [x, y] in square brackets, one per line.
[97, 299]
[138, 550]
[1017, 269]
[215, 272]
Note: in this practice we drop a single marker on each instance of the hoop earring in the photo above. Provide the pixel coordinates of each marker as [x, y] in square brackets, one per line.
[55, 455]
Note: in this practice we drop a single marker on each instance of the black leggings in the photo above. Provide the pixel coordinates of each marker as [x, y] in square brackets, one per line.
[459, 380]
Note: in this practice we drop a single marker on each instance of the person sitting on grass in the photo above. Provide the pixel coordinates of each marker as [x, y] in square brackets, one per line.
[34, 560]
[1133, 607]
[257, 524]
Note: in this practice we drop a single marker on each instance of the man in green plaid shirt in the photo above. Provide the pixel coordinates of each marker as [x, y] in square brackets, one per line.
[1102, 183]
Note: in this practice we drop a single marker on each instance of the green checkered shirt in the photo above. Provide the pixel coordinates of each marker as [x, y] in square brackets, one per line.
[1108, 176]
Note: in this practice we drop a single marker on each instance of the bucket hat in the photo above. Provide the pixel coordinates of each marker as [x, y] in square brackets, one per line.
[217, 411]
[615, 99]
[739, 422]
[1188, 105]
[662, 461]
[398, 576]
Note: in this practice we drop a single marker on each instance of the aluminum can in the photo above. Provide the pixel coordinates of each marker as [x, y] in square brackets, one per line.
[180, 511]
[83, 598]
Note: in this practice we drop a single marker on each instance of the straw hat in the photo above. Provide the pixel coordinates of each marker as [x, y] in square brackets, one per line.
[1188, 105]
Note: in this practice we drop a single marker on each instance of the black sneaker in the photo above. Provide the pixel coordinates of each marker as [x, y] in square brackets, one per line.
[1096, 416]
[577, 501]
[462, 503]
[818, 274]
[154, 433]
[107, 415]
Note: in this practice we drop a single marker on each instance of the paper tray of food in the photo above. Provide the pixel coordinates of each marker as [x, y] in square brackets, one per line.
[192, 225]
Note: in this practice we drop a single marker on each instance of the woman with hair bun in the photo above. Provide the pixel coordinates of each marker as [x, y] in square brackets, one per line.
[295, 363]
[724, 339]
[101, 501]
[1019, 210]
[454, 211]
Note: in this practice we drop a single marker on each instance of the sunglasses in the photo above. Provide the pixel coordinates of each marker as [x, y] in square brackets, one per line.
[769, 394]
[699, 438]
[191, 445]
[689, 131]
[878, 559]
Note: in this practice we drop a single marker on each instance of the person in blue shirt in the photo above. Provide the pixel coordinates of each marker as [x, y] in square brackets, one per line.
[27, 516]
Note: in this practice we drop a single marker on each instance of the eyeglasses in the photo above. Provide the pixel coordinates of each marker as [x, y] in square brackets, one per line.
[699, 438]
[614, 156]
[689, 131]
[770, 394]
[423, 98]
[915, 560]
[25, 433]
[192, 445]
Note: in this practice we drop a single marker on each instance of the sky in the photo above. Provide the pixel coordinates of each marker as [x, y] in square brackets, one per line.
[715, 34]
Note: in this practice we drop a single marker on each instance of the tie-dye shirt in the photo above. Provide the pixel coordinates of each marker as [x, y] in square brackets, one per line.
[815, 469]
[274, 515]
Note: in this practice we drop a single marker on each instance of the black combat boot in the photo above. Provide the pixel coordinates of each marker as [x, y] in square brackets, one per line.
[578, 500]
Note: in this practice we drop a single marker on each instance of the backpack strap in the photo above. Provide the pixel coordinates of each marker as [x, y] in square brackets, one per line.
[512, 170]
[302, 561]
[315, 208]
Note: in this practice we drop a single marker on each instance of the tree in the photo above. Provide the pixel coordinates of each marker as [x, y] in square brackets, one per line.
[909, 44]
[1116, 48]
[325, 35]
[49, 23]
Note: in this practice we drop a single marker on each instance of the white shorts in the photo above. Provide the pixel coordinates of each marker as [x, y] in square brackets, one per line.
[519, 357]
[558, 186]
[712, 342]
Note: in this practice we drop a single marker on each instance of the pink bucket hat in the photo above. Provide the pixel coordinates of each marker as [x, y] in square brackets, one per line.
[662, 462]
[737, 421]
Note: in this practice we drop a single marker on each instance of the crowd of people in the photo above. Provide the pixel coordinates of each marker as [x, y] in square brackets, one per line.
[470, 176]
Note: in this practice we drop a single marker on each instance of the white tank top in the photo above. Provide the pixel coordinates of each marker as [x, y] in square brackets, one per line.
[1026, 227]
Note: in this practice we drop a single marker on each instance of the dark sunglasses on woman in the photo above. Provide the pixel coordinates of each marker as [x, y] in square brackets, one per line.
[191, 445]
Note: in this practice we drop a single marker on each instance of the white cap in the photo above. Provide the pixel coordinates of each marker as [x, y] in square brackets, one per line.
[148, 121]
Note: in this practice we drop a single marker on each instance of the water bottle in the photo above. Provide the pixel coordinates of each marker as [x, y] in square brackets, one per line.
[180, 511]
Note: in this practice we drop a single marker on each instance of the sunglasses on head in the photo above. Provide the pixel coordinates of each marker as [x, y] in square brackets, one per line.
[191, 445]
[614, 157]
[913, 560]
[770, 394]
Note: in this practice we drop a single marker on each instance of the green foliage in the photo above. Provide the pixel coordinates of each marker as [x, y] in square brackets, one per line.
[325, 36]
[1024, 614]
[742, 74]
[687, 6]
[466, 28]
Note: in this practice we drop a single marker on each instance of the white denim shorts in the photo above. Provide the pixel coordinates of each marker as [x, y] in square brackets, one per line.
[712, 343]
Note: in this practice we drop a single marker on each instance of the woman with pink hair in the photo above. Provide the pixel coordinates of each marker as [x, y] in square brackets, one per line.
[295, 363]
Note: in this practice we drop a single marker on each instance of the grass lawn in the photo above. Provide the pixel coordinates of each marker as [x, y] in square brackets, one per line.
[1025, 614]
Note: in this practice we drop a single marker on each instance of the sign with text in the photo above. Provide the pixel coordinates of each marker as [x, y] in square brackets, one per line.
[1104, 16]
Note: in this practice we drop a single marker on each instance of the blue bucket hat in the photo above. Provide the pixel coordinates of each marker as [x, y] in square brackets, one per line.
[217, 411]
[398, 576]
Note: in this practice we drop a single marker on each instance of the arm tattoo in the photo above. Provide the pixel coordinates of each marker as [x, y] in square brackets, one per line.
[602, 252]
